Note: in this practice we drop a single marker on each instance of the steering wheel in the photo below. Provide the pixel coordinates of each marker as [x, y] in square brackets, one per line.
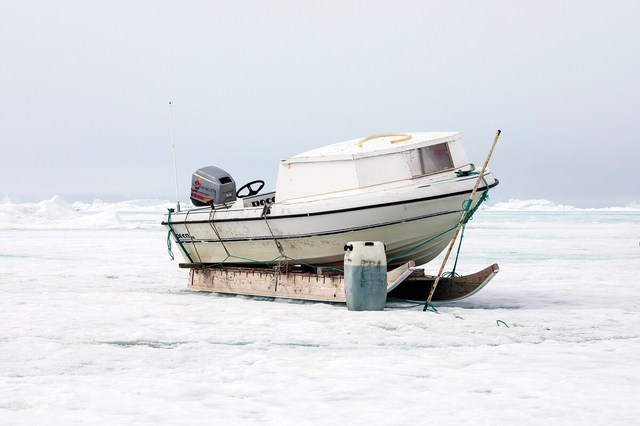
[249, 188]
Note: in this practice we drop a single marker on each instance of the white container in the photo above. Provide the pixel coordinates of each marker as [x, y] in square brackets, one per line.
[365, 275]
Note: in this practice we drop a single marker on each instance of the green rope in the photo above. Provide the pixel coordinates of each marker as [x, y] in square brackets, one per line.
[315, 268]
[169, 246]
[171, 231]
[274, 261]
[169, 236]
[498, 322]
[466, 207]
[420, 245]
[248, 260]
[484, 197]
[453, 272]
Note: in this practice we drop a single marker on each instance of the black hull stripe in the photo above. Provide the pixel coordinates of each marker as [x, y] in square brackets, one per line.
[417, 200]
[318, 234]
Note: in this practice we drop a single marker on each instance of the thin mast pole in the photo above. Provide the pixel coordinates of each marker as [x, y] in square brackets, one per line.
[175, 167]
[462, 218]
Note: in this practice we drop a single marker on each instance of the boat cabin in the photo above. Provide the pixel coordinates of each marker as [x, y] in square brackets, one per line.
[369, 161]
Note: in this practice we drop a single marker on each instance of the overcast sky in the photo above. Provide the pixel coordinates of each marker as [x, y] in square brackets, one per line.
[85, 86]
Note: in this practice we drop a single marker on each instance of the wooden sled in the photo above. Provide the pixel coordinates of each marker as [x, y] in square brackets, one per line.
[418, 285]
[406, 282]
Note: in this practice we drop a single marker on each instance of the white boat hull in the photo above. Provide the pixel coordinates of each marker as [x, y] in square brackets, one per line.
[415, 221]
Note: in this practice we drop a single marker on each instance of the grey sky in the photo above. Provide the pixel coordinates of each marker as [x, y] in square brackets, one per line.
[85, 86]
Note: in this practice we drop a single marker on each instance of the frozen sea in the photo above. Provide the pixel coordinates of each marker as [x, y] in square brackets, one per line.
[97, 327]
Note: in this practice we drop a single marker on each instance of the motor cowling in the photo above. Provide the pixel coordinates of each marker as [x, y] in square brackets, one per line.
[211, 185]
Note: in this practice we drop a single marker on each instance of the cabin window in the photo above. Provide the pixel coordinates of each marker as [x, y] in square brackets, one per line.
[431, 159]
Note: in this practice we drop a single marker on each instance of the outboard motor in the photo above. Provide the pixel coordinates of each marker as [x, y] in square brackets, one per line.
[211, 185]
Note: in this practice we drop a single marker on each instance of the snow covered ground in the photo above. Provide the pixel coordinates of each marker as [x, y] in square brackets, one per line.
[97, 327]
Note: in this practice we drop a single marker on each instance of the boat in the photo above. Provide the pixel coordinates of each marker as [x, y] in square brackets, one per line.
[407, 190]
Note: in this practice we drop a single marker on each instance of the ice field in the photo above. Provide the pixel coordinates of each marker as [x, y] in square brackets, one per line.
[97, 327]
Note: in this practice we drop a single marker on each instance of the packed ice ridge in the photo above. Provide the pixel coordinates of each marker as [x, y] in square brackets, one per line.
[57, 213]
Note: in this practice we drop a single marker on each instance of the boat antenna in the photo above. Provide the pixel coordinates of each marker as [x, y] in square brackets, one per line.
[175, 168]
[461, 222]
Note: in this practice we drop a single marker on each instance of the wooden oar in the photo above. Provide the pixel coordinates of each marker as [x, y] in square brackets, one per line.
[462, 218]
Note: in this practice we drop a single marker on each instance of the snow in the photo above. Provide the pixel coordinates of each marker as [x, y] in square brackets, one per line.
[97, 327]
